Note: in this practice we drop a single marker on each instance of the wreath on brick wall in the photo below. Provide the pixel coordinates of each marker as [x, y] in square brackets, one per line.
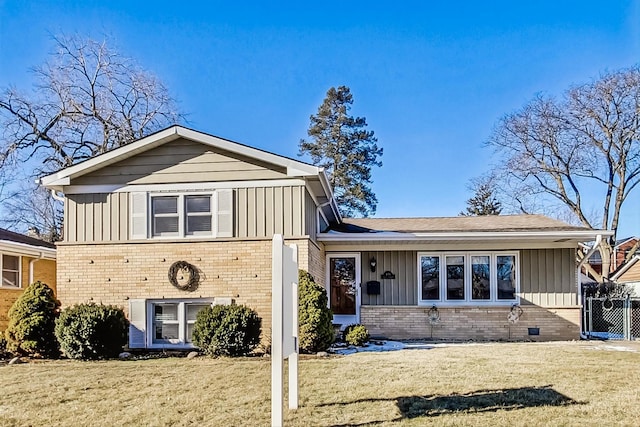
[178, 270]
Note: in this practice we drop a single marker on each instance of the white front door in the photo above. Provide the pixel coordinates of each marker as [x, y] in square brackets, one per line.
[343, 285]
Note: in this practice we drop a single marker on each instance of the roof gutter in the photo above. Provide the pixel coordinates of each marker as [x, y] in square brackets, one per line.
[580, 264]
[467, 236]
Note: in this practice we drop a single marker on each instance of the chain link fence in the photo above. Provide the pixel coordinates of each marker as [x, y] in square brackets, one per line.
[611, 318]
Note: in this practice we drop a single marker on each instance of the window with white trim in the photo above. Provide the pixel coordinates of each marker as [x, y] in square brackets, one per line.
[172, 321]
[162, 215]
[468, 278]
[10, 267]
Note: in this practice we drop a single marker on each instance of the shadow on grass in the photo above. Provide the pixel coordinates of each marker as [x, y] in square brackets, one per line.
[473, 402]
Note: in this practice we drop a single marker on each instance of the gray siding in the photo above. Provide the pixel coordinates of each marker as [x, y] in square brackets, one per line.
[547, 277]
[182, 161]
[403, 290]
[310, 216]
[258, 212]
[96, 217]
[263, 212]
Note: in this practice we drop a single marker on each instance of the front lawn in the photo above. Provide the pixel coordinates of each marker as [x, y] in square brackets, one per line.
[575, 383]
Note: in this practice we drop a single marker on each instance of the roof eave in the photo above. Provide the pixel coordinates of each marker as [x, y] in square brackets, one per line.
[555, 236]
[25, 249]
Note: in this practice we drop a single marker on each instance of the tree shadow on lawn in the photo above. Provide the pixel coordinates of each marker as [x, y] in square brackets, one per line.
[473, 402]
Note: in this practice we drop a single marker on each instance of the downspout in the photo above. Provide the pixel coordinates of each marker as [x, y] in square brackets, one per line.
[580, 264]
[55, 195]
[31, 263]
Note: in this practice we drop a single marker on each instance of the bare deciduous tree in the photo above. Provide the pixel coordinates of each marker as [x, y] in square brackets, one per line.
[565, 150]
[87, 99]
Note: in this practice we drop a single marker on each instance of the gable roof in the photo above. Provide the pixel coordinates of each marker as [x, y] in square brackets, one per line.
[626, 267]
[21, 244]
[314, 176]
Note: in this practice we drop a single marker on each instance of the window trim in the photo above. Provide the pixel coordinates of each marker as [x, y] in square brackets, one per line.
[2, 269]
[182, 321]
[182, 215]
[468, 300]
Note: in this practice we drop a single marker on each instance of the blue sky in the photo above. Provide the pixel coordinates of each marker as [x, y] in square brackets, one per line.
[432, 78]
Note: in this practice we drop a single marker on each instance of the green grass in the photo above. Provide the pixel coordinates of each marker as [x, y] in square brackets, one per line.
[523, 384]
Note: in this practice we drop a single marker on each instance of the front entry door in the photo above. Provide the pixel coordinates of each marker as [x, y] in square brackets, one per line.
[344, 288]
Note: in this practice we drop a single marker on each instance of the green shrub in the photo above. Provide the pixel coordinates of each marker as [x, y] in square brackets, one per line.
[31, 323]
[315, 319]
[227, 330]
[356, 335]
[92, 331]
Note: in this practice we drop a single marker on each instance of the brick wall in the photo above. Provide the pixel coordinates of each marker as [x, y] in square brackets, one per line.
[43, 270]
[115, 273]
[472, 323]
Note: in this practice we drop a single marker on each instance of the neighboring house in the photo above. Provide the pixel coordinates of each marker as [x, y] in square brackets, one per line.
[629, 275]
[620, 251]
[181, 195]
[23, 260]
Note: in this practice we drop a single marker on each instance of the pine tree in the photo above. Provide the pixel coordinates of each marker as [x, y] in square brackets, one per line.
[341, 145]
[483, 202]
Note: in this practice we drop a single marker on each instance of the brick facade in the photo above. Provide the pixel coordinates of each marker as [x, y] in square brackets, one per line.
[472, 323]
[115, 273]
[44, 270]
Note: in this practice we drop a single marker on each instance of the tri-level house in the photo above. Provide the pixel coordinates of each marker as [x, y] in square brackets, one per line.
[180, 219]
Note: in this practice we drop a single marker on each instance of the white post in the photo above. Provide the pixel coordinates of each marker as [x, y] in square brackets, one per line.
[284, 324]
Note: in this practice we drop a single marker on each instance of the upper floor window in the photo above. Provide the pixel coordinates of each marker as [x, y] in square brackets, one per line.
[10, 266]
[468, 278]
[159, 215]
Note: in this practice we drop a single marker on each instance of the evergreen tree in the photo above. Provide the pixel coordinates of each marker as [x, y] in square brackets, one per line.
[483, 202]
[340, 144]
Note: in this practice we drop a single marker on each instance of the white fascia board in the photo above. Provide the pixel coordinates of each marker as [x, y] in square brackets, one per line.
[324, 181]
[187, 186]
[577, 236]
[110, 157]
[626, 267]
[28, 250]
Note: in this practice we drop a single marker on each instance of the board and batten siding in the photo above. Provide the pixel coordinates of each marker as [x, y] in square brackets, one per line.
[258, 213]
[99, 217]
[310, 216]
[547, 277]
[182, 161]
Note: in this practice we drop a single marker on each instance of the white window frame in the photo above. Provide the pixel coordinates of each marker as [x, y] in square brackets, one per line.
[2, 269]
[188, 215]
[153, 215]
[468, 300]
[182, 214]
[182, 322]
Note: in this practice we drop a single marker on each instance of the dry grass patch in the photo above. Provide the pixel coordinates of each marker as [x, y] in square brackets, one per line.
[486, 384]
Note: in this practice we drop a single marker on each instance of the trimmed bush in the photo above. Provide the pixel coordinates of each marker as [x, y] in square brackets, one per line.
[356, 335]
[32, 321]
[315, 319]
[92, 331]
[227, 330]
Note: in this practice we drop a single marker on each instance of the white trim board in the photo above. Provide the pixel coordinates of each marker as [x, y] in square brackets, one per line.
[190, 186]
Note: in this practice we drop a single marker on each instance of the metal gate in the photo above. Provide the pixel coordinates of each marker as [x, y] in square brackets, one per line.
[611, 318]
